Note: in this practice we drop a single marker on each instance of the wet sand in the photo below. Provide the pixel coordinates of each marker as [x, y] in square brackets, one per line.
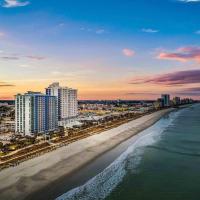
[31, 176]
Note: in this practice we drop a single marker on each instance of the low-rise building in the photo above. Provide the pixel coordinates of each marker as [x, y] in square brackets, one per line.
[7, 125]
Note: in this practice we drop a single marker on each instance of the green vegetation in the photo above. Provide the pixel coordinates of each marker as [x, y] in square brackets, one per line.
[16, 144]
[4, 109]
[1, 145]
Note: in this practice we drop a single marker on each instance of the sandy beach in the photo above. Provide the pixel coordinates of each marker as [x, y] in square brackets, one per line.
[20, 181]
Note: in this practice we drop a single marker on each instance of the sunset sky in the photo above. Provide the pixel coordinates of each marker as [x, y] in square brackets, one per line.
[107, 49]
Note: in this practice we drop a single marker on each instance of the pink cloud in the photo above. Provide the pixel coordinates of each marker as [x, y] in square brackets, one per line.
[171, 79]
[182, 54]
[128, 52]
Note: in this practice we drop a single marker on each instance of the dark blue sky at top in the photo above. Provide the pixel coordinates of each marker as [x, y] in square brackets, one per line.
[169, 16]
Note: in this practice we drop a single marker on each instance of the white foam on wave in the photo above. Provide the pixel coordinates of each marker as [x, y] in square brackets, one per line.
[100, 186]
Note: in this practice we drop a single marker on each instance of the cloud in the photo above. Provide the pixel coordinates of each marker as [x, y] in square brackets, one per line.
[182, 92]
[170, 79]
[100, 31]
[15, 3]
[24, 66]
[192, 92]
[128, 52]
[61, 24]
[187, 94]
[149, 30]
[9, 58]
[56, 73]
[182, 54]
[193, 89]
[36, 57]
[82, 28]
[3, 84]
[189, 1]
[6, 85]
[141, 93]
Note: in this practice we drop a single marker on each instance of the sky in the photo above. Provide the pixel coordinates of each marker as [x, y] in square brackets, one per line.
[107, 49]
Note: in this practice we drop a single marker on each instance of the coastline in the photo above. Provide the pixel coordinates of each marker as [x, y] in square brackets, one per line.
[34, 174]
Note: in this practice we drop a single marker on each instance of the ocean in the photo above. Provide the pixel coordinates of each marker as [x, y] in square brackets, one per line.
[163, 164]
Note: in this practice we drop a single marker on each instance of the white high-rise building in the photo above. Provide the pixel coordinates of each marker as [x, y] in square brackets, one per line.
[67, 103]
[35, 113]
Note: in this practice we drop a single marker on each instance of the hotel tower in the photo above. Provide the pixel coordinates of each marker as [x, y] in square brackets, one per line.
[67, 103]
[35, 113]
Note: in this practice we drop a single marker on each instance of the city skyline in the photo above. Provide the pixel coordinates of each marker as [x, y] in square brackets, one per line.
[106, 49]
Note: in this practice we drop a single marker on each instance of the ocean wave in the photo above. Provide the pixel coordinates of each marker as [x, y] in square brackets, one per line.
[100, 186]
[186, 153]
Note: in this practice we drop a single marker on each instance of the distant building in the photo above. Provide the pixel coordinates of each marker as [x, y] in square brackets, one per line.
[186, 101]
[3, 104]
[176, 101]
[67, 103]
[7, 125]
[159, 103]
[166, 100]
[35, 113]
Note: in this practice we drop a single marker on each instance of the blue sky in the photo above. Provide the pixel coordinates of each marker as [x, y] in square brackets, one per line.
[99, 47]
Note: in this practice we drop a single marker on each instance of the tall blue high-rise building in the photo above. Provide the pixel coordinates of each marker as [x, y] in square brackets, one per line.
[35, 113]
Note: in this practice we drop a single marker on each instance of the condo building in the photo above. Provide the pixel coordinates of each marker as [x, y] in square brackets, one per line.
[35, 113]
[176, 100]
[166, 100]
[67, 103]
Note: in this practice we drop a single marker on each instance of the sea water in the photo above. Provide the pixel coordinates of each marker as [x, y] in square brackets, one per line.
[162, 164]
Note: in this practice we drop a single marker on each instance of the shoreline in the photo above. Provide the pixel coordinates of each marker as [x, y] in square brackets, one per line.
[29, 177]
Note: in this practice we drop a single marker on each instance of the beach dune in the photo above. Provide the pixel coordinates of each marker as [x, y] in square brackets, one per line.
[20, 181]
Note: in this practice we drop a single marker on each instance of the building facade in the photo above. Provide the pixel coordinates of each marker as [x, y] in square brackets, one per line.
[7, 125]
[176, 101]
[35, 113]
[166, 100]
[158, 104]
[67, 103]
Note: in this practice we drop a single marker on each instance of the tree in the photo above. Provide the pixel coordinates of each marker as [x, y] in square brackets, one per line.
[1, 145]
